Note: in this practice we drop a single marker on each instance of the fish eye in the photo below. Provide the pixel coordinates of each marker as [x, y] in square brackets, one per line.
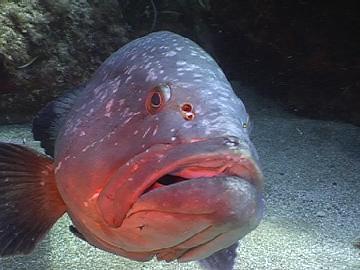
[157, 97]
[156, 100]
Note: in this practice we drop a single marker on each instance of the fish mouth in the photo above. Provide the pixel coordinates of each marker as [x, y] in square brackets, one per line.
[184, 201]
[165, 165]
[221, 165]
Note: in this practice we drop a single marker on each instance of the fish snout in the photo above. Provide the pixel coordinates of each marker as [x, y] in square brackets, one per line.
[184, 201]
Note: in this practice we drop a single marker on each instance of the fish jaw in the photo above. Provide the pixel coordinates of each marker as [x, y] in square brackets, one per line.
[216, 201]
[193, 219]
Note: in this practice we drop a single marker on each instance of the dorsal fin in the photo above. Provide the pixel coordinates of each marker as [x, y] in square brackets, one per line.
[50, 119]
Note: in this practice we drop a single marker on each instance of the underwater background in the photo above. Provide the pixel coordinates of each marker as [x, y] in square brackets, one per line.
[299, 63]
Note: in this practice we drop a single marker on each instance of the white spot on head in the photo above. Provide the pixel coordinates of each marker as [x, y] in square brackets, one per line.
[128, 120]
[180, 63]
[90, 112]
[82, 133]
[155, 131]
[131, 69]
[146, 132]
[187, 125]
[128, 79]
[151, 76]
[173, 138]
[147, 65]
[109, 105]
[170, 53]
[103, 96]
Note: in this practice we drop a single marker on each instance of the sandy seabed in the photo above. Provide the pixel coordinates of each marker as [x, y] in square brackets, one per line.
[312, 191]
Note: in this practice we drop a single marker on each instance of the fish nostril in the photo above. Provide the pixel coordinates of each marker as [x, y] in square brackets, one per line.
[187, 111]
[186, 107]
[189, 116]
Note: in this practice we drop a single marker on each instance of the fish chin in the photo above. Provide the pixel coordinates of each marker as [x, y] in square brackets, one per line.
[194, 218]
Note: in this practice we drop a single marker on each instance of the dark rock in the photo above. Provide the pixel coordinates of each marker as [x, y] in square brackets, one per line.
[47, 47]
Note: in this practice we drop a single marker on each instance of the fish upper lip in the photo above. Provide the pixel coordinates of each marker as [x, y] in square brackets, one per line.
[133, 179]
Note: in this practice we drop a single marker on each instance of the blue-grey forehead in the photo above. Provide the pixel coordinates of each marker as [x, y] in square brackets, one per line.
[161, 56]
[164, 57]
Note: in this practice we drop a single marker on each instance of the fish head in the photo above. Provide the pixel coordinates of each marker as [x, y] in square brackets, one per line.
[176, 174]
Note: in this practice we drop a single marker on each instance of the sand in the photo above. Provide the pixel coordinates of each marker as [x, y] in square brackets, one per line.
[312, 171]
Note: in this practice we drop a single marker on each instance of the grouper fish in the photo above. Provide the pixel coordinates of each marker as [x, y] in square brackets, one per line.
[150, 158]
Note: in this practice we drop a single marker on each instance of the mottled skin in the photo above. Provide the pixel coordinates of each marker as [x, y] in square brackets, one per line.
[112, 149]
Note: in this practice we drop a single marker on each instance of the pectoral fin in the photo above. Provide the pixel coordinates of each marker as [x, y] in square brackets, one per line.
[29, 200]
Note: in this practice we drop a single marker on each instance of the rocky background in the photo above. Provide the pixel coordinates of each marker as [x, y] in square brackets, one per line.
[303, 54]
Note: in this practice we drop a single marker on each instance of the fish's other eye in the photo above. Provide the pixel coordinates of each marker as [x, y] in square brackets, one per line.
[157, 97]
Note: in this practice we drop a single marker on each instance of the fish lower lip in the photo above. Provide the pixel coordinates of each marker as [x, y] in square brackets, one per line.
[142, 174]
[195, 212]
